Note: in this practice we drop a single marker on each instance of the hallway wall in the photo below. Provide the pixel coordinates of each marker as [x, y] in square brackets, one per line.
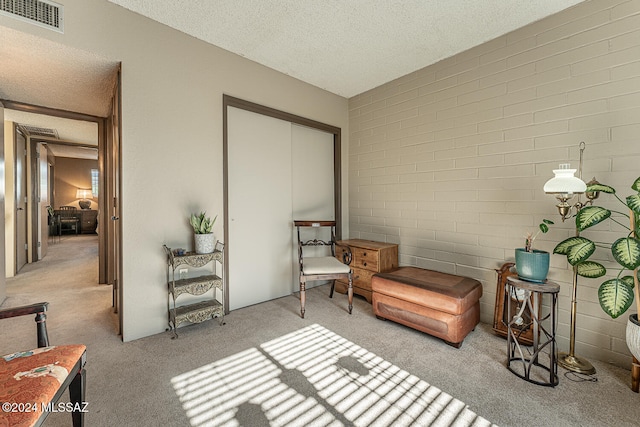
[71, 174]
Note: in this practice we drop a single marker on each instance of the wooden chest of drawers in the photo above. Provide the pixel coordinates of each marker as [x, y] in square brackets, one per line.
[88, 220]
[368, 258]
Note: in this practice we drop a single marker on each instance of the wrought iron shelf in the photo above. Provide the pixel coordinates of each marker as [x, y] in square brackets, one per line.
[209, 308]
[195, 285]
[195, 260]
[197, 312]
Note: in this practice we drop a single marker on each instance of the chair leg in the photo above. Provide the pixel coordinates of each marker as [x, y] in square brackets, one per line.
[76, 397]
[41, 327]
[303, 298]
[333, 285]
[350, 292]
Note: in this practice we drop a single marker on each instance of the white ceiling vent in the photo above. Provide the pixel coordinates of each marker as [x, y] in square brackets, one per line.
[44, 13]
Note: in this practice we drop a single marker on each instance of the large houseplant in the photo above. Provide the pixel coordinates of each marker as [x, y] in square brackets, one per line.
[204, 238]
[615, 295]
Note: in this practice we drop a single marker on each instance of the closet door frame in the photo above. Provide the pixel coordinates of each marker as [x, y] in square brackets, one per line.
[229, 101]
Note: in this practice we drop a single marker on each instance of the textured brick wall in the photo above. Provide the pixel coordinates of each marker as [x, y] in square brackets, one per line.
[449, 162]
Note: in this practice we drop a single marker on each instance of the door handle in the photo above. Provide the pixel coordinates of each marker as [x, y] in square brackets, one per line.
[115, 218]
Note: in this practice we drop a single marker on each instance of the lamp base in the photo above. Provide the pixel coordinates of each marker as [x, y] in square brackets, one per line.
[84, 204]
[575, 363]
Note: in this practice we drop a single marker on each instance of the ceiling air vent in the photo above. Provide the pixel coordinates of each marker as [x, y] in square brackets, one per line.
[38, 131]
[44, 13]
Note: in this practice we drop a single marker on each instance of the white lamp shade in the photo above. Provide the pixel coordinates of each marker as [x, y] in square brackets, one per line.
[84, 194]
[564, 182]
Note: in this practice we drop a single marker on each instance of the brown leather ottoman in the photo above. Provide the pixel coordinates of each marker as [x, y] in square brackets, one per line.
[443, 305]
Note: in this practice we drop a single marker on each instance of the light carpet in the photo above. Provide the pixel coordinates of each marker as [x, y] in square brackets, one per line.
[133, 383]
[314, 377]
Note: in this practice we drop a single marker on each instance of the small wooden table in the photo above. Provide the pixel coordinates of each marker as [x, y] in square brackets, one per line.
[529, 294]
[368, 258]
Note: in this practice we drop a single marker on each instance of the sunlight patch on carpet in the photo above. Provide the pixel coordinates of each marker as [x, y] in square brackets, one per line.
[313, 377]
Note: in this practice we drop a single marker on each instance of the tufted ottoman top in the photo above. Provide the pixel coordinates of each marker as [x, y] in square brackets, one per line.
[440, 291]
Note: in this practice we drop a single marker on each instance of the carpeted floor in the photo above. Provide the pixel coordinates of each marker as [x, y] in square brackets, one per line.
[313, 377]
[138, 383]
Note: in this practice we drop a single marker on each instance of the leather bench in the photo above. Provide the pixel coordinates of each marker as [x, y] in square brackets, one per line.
[440, 304]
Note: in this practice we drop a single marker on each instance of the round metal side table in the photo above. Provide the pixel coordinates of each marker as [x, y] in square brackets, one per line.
[521, 361]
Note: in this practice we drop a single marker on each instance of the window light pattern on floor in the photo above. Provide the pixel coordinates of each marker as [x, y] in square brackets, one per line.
[313, 377]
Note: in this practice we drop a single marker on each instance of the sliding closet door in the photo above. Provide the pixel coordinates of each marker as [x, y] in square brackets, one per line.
[312, 188]
[259, 208]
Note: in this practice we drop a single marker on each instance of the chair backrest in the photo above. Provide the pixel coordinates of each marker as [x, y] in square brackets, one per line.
[68, 214]
[316, 241]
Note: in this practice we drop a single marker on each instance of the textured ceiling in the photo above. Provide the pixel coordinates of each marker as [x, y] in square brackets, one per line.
[73, 131]
[346, 46]
[38, 71]
[343, 46]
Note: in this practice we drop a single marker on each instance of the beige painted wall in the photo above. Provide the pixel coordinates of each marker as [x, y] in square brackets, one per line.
[172, 87]
[71, 174]
[450, 161]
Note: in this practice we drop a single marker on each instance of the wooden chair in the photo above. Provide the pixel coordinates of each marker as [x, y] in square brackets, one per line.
[32, 382]
[321, 267]
[69, 219]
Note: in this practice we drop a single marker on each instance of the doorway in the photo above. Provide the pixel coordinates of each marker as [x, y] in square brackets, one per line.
[38, 173]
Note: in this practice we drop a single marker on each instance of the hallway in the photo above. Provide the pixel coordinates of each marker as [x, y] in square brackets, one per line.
[67, 278]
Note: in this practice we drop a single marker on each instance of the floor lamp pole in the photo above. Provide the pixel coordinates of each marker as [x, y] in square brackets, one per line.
[569, 360]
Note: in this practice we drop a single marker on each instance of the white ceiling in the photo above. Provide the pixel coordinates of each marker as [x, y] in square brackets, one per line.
[41, 72]
[346, 46]
[343, 46]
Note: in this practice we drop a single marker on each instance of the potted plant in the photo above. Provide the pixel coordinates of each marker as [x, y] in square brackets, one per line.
[203, 235]
[615, 295]
[533, 264]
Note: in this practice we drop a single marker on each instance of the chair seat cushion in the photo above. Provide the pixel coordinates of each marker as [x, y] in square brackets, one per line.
[33, 377]
[324, 265]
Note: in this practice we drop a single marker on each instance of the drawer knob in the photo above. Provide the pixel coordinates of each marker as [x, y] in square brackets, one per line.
[365, 264]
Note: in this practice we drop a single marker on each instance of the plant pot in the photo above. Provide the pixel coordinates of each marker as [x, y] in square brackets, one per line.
[633, 335]
[532, 266]
[204, 243]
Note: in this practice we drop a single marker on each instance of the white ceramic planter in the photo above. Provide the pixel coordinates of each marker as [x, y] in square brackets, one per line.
[204, 243]
[633, 335]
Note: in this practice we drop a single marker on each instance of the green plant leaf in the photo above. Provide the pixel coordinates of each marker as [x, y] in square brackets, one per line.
[626, 251]
[634, 203]
[628, 280]
[580, 252]
[591, 269]
[615, 297]
[600, 187]
[544, 227]
[590, 216]
[636, 185]
[563, 247]
[201, 223]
